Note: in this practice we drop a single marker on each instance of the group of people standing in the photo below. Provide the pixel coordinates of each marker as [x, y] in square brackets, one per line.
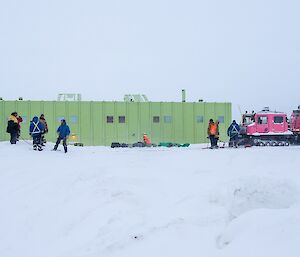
[214, 133]
[37, 129]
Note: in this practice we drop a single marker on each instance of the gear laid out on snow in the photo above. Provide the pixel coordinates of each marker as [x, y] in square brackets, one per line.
[124, 145]
[142, 144]
[170, 144]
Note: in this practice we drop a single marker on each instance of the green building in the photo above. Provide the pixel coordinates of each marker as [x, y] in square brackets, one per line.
[101, 123]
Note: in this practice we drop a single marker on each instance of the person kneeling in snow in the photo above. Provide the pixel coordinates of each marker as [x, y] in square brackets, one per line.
[63, 133]
[36, 129]
[146, 139]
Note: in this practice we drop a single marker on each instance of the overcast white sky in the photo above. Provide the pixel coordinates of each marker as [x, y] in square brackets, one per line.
[245, 52]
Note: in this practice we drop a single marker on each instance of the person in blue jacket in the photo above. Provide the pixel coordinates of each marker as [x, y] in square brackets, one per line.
[63, 133]
[233, 133]
[36, 129]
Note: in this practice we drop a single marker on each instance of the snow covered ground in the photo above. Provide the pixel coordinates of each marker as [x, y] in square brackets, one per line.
[98, 201]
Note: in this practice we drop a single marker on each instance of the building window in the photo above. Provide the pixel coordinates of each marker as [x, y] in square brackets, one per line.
[168, 119]
[155, 119]
[263, 120]
[199, 119]
[73, 119]
[121, 119]
[221, 119]
[109, 119]
[278, 119]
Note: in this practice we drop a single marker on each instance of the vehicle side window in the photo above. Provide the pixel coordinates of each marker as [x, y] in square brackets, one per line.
[278, 119]
[263, 120]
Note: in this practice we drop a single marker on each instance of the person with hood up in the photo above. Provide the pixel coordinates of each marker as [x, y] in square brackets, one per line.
[233, 133]
[63, 133]
[44, 122]
[13, 127]
[36, 129]
[212, 132]
[146, 139]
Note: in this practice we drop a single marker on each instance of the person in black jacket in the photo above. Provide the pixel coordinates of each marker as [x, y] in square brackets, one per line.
[13, 127]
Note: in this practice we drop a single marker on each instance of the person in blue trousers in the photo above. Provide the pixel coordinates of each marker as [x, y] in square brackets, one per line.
[63, 134]
[36, 129]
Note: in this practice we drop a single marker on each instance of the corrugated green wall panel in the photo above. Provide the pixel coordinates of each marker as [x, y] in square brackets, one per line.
[155, 111]
[121, 125]
[178, 122]
[145, 119]
[200, 123]
[167, 121]
[98, 129]
[188, 122]
[50, 116]
[134, 133]
[85, 123]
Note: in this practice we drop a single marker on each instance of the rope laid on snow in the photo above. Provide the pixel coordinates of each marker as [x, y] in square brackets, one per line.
[23, 139]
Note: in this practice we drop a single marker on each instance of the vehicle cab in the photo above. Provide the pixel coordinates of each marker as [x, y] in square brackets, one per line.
[266, 122]
[295, 120]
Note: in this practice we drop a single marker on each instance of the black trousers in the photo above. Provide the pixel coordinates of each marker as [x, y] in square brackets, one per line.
[233, 140]
[37, 142]
[64, 139]
[13, 137]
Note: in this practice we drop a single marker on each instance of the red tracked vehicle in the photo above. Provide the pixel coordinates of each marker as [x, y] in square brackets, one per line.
[265, 128]
[295, 125]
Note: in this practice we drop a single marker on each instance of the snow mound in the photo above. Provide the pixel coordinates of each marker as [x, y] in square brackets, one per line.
[245, 194]
[263, 232]
[255, 206]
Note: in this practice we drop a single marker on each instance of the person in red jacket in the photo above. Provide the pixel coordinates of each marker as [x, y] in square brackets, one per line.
[19, 118]
[146, 139]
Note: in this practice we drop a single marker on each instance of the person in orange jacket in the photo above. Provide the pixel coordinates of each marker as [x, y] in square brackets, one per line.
[146, 139]
[212, 132]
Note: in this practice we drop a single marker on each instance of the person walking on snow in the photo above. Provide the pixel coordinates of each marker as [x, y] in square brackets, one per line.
[44, 122]
[63, 133]
[212, 131]
[36, 129]
[233, 133]
[13, 127]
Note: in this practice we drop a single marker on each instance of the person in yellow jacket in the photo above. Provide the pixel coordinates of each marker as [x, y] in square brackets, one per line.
[212, 132]
[13, 127]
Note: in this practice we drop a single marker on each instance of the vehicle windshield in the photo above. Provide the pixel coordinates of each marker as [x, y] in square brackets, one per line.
[247, 119]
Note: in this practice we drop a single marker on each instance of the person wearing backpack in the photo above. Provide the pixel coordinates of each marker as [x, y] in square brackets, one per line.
[233, 133]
